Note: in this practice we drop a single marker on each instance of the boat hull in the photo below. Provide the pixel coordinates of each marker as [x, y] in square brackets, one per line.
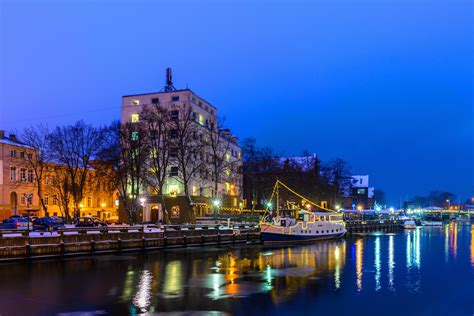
[282, 238]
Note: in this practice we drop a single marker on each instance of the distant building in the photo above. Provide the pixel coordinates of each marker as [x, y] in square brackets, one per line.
[356, 193]
[202, 188]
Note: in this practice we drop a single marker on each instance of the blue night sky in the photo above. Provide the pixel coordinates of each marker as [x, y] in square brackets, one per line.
[386, 85]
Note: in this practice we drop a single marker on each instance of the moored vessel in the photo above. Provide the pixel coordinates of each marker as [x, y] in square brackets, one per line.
[294, 224]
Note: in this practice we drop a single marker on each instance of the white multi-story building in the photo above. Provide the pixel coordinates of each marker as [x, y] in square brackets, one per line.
[201, 186]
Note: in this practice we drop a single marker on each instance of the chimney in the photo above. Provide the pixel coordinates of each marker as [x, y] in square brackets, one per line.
[2, 134]
[12, 137]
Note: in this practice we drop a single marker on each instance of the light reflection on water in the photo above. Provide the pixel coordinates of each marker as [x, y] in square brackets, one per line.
[391, 263]
[405, 266]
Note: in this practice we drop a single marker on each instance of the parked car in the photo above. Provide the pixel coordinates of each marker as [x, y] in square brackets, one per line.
[48, 223]
[112, 220]
[16, 222]
[88, 221]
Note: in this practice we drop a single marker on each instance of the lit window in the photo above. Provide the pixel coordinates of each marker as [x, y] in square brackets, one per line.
[30, 176]
[227, 157]
[23, 174]
[134, 135]
[201, 119]
[135, 102]
[361, 191]
[173, 189]
[135, 118]
[13, 174]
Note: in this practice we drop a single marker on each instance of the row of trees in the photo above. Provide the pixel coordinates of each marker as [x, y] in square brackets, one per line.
[135, 158]
[307, 174]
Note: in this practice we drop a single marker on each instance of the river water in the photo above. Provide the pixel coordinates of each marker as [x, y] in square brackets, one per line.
[427, 271]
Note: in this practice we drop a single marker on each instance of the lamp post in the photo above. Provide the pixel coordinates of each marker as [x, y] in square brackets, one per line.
[142, 204]
[216, 203]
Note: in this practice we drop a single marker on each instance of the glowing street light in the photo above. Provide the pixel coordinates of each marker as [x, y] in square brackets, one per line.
[216, 203]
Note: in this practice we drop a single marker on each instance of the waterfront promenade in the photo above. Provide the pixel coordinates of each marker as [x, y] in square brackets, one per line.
[426, 271]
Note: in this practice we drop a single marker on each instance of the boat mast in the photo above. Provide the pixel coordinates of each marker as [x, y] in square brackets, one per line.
[278, 198]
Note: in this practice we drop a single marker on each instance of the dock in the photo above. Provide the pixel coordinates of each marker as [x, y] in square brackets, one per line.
[360, 226]
[20, 245]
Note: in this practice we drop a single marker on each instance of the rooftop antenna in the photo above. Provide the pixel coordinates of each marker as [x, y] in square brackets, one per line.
[169, 81]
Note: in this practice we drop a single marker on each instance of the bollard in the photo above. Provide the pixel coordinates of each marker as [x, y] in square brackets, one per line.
[62, 248]
[119, 242]
[92, 246]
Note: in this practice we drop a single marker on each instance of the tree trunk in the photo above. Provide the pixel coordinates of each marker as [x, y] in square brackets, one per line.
[192, 217]
[166, 216]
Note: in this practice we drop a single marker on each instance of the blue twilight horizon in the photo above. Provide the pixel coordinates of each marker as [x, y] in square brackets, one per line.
[385, 84]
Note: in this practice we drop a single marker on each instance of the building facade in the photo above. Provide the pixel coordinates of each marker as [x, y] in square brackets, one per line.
[18, 186]
[356, 193]
[201, 186]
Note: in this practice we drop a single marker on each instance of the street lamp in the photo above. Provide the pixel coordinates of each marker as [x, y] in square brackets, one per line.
[216, 203]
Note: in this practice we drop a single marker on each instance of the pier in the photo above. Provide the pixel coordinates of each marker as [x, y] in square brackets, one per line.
[360, 226]
[17, 245]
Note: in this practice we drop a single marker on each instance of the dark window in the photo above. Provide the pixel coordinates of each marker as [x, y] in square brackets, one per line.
[155, 100]
[173, 133]
[22, 154]
[175, 98]
[174, 114]
[174, 172]
[173, 152]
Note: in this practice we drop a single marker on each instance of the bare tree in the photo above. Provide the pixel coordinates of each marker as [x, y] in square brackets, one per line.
[123, 161]
[187, 142]
[76, 146]
[222, 166]
[38, 139]
[156, 123]
[60, 187]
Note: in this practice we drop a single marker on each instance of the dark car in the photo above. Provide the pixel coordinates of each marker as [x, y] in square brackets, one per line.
[15, 222]
[88, 221]
[48, 223]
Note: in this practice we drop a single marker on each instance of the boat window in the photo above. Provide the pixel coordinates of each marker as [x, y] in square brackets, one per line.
[332, 231]
[317, 232]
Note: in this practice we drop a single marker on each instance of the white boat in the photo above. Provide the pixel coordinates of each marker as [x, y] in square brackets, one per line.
[301, 225]
[409, 224]
[432, 223]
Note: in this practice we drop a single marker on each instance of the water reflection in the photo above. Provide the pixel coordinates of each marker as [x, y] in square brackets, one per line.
[377, 263]
[337, 271]
[391, 263]
[232, 279]
[143, 294]
[472, 245]
[359, 262]
[173, 280]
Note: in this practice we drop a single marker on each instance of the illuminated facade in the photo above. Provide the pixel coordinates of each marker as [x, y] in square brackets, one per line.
[201, 186]
[18, 188]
